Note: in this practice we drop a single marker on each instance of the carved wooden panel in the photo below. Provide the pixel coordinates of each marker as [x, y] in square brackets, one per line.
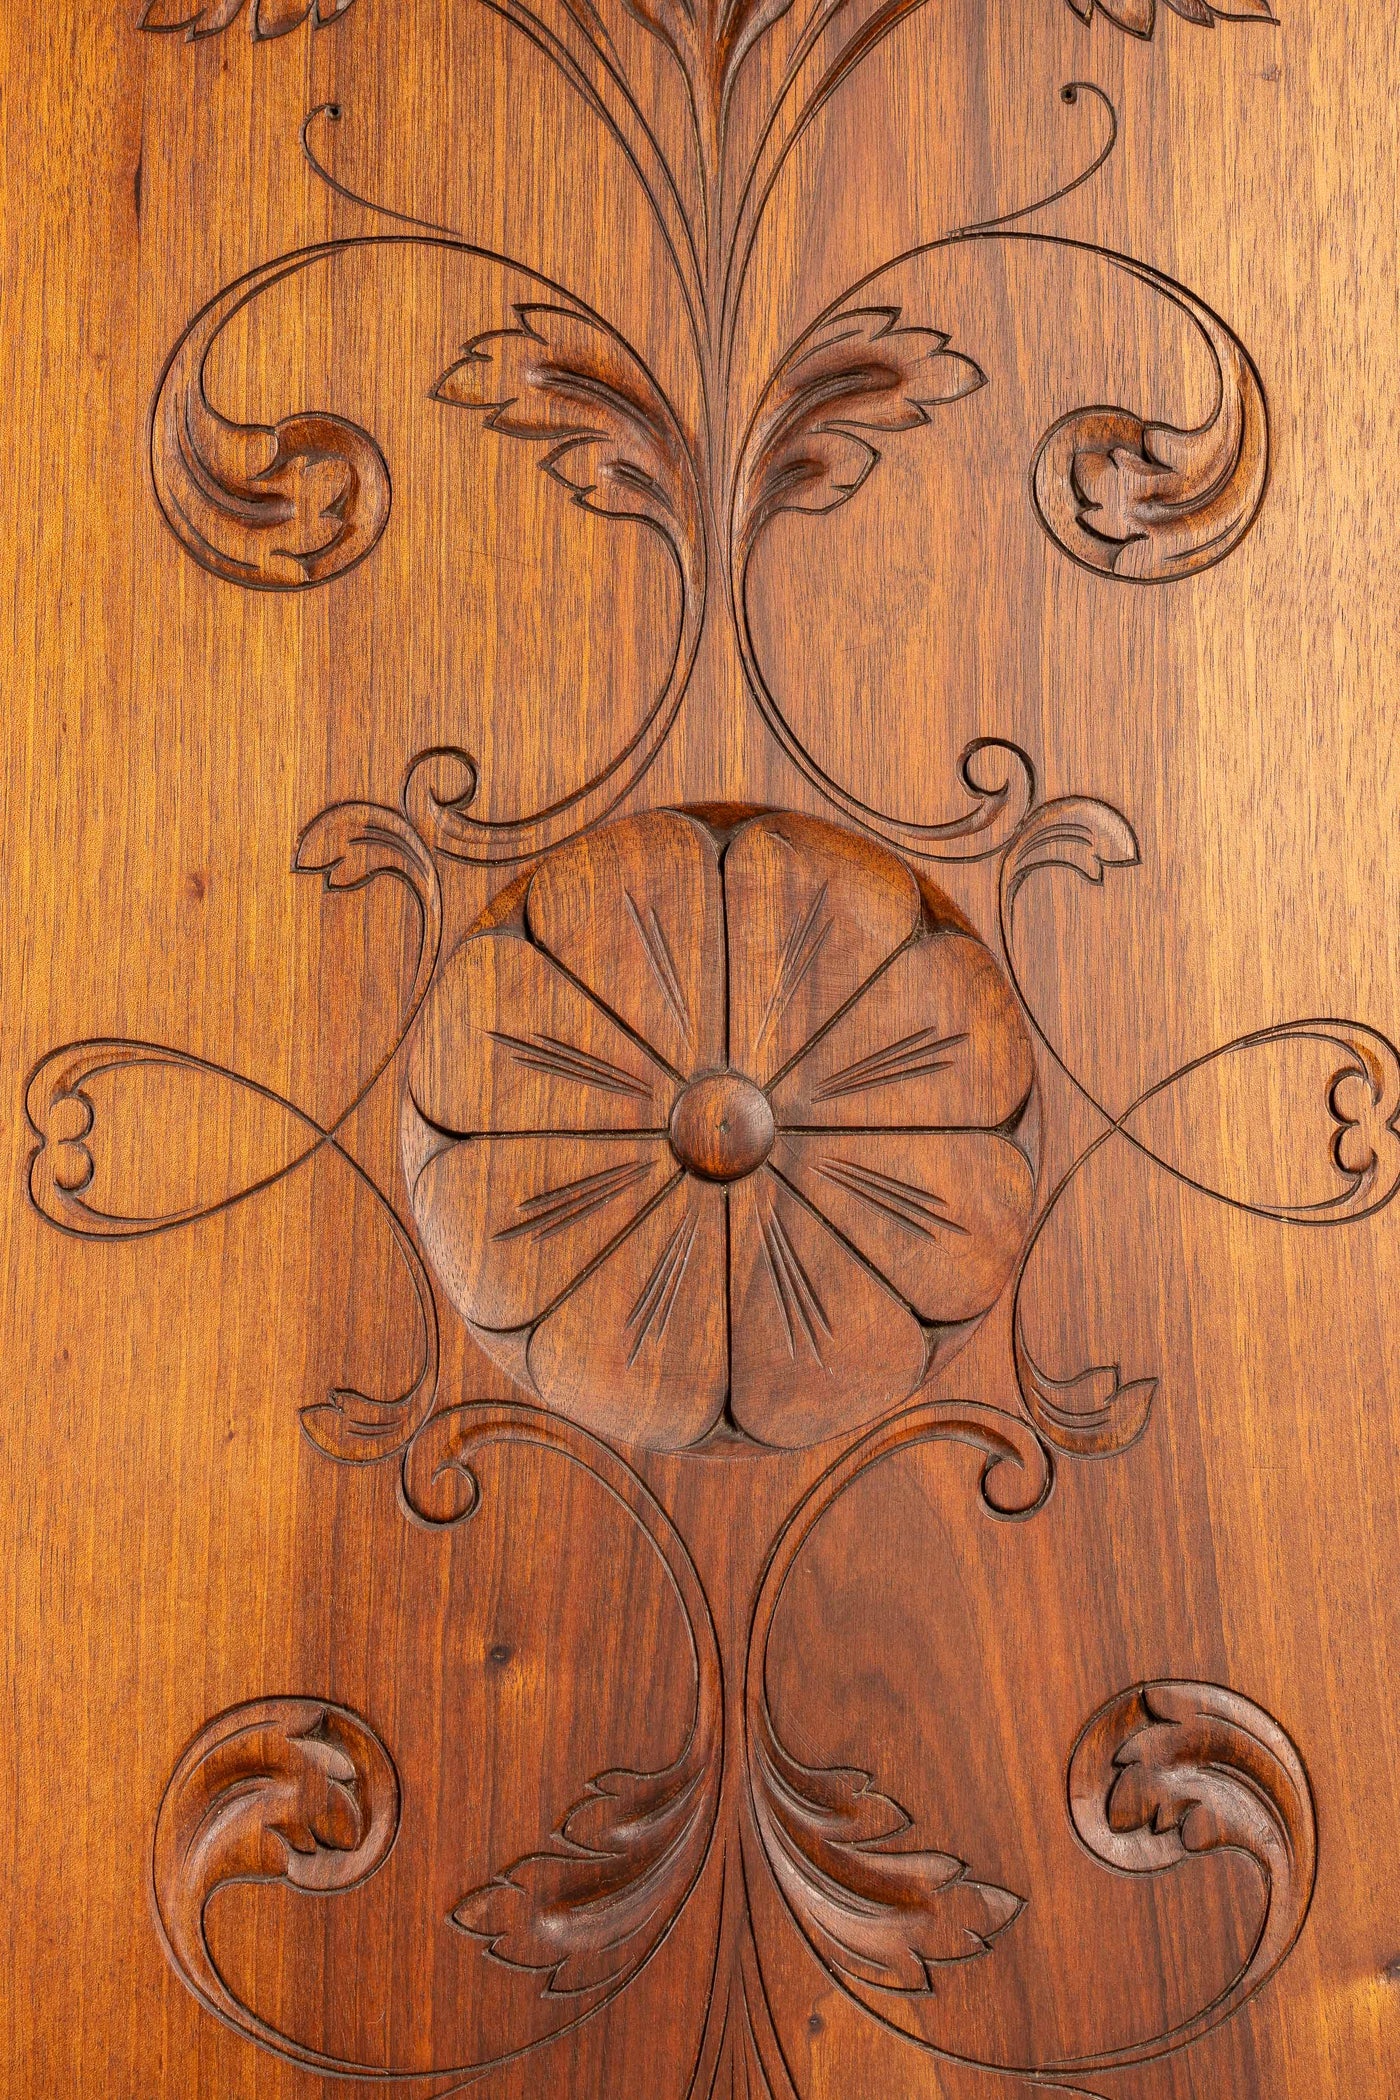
[700, 1268]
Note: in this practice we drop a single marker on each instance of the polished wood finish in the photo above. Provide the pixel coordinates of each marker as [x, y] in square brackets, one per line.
[700, 1005]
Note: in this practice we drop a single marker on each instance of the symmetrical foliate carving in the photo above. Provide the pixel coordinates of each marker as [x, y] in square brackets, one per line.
[721, 1128]
[301, 498]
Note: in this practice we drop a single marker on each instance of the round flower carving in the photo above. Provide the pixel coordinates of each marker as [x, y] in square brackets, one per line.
[721, 1128]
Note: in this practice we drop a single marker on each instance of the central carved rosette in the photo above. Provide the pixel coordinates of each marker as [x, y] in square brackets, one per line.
[721, 1128]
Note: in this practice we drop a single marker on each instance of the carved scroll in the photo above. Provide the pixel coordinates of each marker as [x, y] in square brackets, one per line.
[295, 1790]
[273, 506]
[1170, 1770]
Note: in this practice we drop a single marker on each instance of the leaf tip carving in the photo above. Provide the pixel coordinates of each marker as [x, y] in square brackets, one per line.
[269, 18]
[357, 1429]
[1074, 832]
[351, 843]
[875, 1907]
[1139, 17]
[1095, 1413]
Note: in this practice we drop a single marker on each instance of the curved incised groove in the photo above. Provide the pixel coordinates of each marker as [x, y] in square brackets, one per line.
[1149, 502]
[809, 447]
[1362, 1101]
[573, 39]
[1094, 1412]
[1069, 95]
[741, 2052]
[350, 1424]
[997, 776]
[1362, 1096]
[442, 783]
[590, 1908]
[875, 1909]
[778, 138]
[285, 506]
[1162, 1772]
[348, 845]
[1169, 1770]
[295, 1790]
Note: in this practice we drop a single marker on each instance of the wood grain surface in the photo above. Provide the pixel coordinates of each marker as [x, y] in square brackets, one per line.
[699, 989]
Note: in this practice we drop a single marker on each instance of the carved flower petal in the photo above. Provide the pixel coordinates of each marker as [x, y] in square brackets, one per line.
[507, 1042]
[635, 911]
[812, 912]
[937, 1041]
[510, 1222]
[639, 1351]
[819, 1343]
[941, 1215]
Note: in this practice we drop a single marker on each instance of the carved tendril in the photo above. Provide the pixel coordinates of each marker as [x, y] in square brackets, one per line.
[590, 1908]
[876, 1908]
[349, 845]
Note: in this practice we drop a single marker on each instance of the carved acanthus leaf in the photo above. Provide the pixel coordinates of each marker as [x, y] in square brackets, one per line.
[590, 1907]
[565, 378]
[857, 372]
[1139, 17]
[875, 1906]
[1149, 502]
[1170, 1769]
[269, 18]
[294, 1790]
[591, 1904]
[273, 506]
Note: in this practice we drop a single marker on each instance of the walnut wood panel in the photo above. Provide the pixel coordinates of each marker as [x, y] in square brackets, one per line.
[699, 1270]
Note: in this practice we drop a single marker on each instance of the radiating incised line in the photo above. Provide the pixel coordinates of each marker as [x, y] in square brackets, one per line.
[552, 1210]
[797, 1296]
[652, 936]
[912, 1057]
[652, 1311]
[804, 945]
[903, 1200]
[560, 1060]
